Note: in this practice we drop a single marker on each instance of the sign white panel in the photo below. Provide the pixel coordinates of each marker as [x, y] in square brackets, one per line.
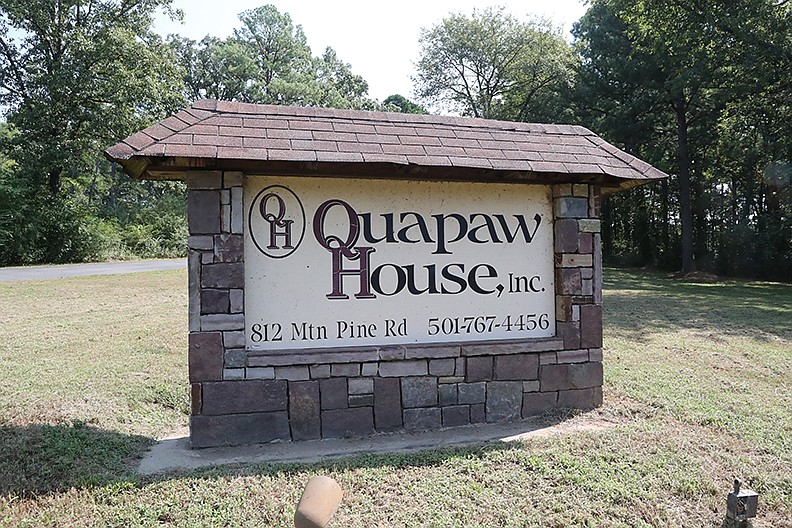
[332, 262]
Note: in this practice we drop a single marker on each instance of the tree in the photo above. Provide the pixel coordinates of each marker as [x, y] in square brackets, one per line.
[492, 65]
[77, 76]
[335, 86]
[280, 51]
[751, 158]
[403, 105]
[674, 68]
[665, 80]
[215, 68]
[268, 60]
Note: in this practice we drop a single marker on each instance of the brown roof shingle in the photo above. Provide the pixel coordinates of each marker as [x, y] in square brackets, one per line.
[214, 133]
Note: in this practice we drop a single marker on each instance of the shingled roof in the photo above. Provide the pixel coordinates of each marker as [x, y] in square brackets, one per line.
[268, 139]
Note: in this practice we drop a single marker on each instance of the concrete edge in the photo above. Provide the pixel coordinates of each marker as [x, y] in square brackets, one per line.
[175, 453]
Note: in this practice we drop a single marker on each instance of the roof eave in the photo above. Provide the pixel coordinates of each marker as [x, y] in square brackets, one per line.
[177, 168]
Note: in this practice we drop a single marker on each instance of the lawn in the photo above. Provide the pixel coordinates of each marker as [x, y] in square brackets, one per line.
[697, 376]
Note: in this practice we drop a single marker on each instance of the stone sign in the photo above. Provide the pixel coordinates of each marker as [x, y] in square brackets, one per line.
[353, 273]
[346, 262]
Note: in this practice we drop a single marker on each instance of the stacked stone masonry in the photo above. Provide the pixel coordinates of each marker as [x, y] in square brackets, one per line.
[242, 397]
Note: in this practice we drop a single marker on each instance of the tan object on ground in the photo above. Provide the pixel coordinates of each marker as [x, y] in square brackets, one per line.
[318, 503]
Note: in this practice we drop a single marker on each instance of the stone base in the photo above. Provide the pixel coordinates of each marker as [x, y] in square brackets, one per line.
[479, 389]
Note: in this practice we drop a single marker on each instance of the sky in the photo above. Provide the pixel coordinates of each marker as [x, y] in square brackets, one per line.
[378, 39]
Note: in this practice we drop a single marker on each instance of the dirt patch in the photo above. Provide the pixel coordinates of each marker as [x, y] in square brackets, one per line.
[697, 276]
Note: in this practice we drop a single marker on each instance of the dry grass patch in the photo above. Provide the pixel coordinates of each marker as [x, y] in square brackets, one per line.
[108, 351]
[697, 385]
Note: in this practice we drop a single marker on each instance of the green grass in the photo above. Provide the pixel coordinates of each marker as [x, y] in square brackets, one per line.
[697, 392]
[711, 354]
[102, 350]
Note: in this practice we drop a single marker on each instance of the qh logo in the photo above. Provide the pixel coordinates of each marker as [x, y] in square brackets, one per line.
[277, 221]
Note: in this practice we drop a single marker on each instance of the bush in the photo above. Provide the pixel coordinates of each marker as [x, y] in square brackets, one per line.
[36, 229]
[165, 237]
[12, 229]
[66, 235]
[40, 229]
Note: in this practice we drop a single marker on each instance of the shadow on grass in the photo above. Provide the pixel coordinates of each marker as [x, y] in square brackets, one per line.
[301, 472]
[637, 302]
[385, 455]
[39, 459]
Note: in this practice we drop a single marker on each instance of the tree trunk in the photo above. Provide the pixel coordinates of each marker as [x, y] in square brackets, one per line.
[734, 199]
[664, 211]
[54, 181]
[607, 228]
[685, 207]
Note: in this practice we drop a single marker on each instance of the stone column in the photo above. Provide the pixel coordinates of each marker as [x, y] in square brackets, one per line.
[217, 357]
[575, 373]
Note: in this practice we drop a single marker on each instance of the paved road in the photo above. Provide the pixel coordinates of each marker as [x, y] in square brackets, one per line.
[75, 270]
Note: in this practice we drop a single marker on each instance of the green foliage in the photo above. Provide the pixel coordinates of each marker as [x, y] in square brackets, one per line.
[280, 51]
[161, 237]
[268, 60]
[492, 65]
[703, 92]
[13, 212]
[37, 229]
[78, 76]
[143, 220]
[335, 86]
[12, 192]
[75, 78]
[403, 105]
[214, 68]
[119, 218]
